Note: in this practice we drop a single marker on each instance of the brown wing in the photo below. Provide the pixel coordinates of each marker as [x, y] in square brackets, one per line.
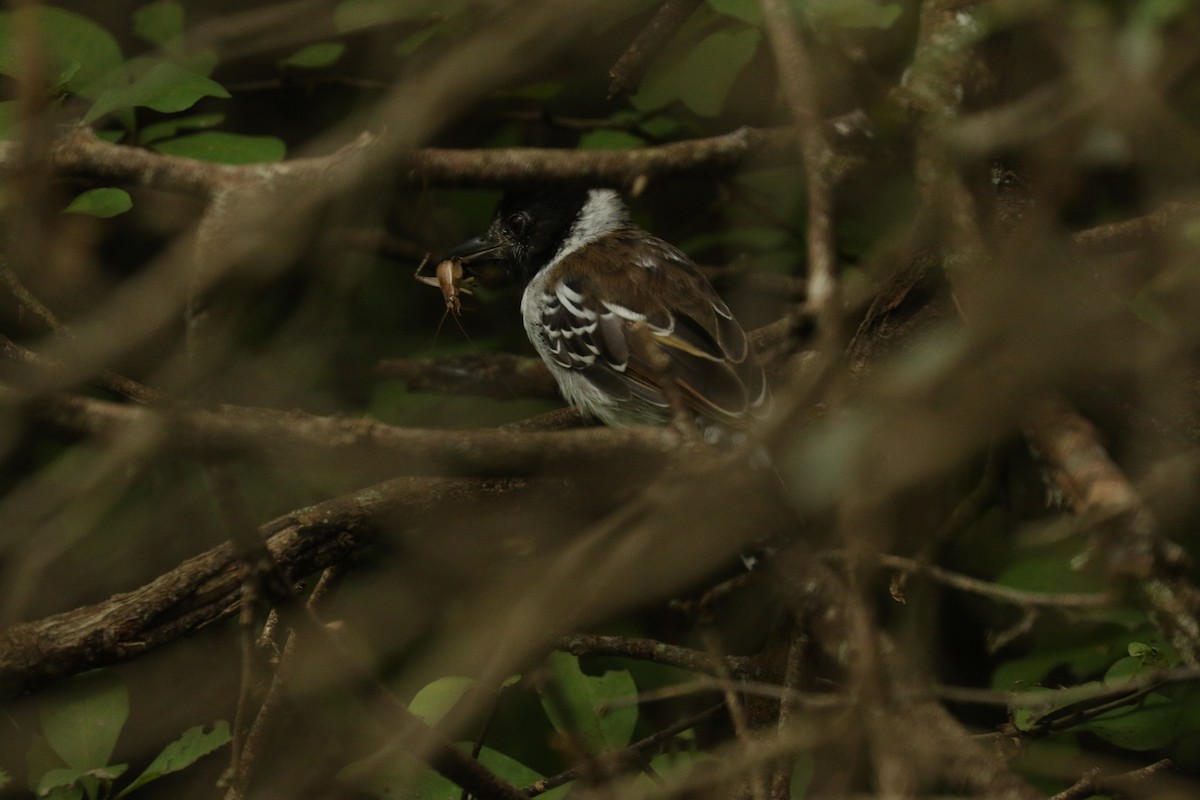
[667, 309]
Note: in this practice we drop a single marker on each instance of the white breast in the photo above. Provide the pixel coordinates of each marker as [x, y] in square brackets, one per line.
[576, 389]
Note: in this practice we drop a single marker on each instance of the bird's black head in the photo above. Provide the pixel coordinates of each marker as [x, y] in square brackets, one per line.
[529, 228]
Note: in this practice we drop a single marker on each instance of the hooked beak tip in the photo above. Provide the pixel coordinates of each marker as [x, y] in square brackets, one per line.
[480, 248]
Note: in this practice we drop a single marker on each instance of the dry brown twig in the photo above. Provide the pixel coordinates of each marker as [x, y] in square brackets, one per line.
[627, 73]
[1095, 783]
[823, 297]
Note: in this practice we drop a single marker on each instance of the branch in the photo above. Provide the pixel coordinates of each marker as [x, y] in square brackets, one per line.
[627, 73]
[206, 589]
[1127, 782]
[291, 437]
[998, 592]
[1130, 234]
[823, 294]
[501, 376]
[106, 379]
[81, 153]
[633, 754]
[504, 376]
[405, 730]
[624, 169]
[1128, 543]
[592, 645]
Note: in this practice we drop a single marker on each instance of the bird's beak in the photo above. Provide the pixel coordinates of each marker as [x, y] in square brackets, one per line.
[483, 248]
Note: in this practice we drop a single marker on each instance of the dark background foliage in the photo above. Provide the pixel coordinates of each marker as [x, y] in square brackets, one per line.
[262, 533]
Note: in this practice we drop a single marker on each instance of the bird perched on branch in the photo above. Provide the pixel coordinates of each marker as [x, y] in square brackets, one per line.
[628, 326]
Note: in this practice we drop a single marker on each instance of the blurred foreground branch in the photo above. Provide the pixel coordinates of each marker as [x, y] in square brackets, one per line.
[207, 588]
[80, 153]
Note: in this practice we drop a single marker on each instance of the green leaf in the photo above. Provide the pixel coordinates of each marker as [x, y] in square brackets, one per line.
[1026, 713]
[1143, 657]
[701, 77]
[1050, 570]
[102, 203]
[745, 10]
[81, 57]
[1156, 654]
[855, 13]
[225, 148]
[435, 700]
[433, 786]
[578, 707]
[170, 127]
[74, 791]
[661, 125]
[201, 62]
[160, 22]
[315, 56]
[610, 139]
[82, 719]
[60, 783]
[64, 777]
[189, 748]
[1123, 669]
[166, 87]
[1081, 658]
[5, 779]
[1154, 722]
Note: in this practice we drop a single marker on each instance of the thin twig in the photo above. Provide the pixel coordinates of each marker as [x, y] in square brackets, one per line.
[1094, 783]
[1004, 594]
[106, 379]
[737, 711]
[291, 437]
[247, 761]
[823, 297]
[627, 73]
[406, 730]
[260, 579]
[781, 777]
[631, 754]
[596, 645]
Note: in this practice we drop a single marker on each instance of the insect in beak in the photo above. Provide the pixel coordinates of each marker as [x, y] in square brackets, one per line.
[447, 276]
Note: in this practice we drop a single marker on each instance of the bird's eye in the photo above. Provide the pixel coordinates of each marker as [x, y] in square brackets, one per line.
[518, 222]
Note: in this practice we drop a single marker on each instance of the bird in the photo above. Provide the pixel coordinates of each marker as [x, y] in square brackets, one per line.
[630, 329]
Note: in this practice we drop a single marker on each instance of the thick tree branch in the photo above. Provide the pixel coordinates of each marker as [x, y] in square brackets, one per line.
[207, 588]
[290, 437]
[81, 153]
